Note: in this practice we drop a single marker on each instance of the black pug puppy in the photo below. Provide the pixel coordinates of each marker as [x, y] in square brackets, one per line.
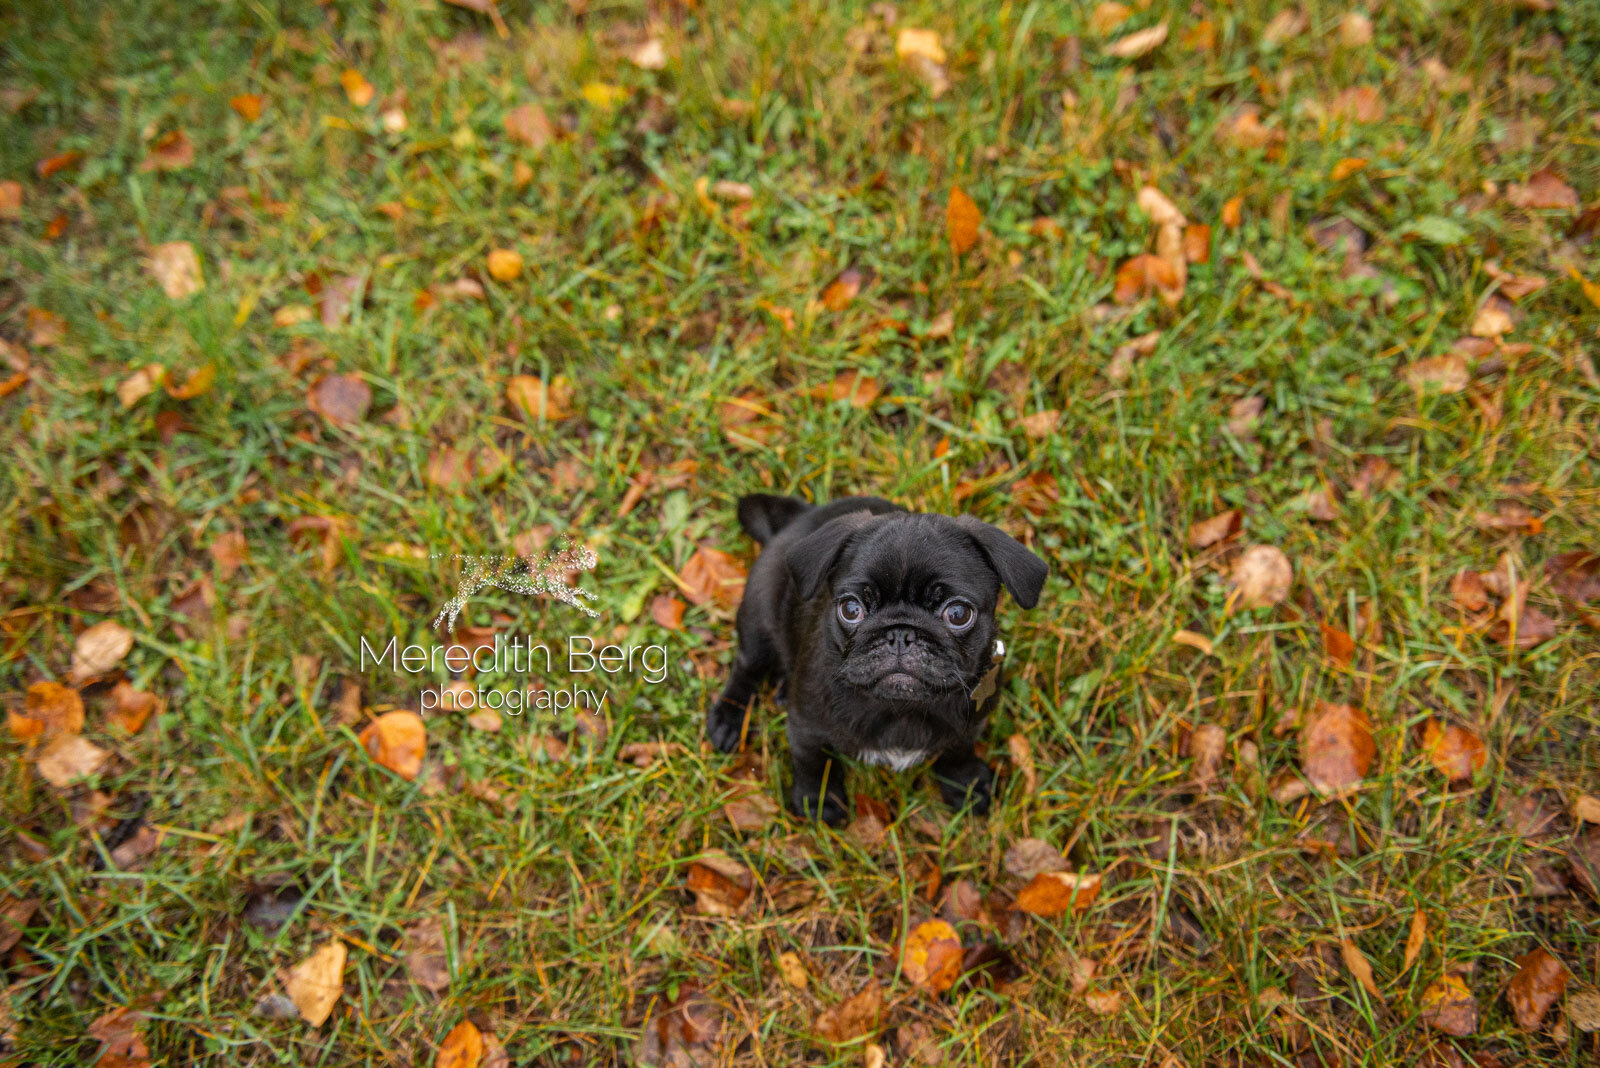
[879, 625]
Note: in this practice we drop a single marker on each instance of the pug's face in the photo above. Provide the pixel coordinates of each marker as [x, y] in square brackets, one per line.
[913, 610]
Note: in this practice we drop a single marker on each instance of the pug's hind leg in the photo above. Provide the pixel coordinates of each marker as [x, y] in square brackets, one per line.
[964, 780]
[818, 785]
[725, 721]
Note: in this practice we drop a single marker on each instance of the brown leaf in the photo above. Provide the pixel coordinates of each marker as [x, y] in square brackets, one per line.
[1574, 575]
[1583, 1011]
[842, 290]
[122, 1045]
[461, 1048]
[856, 1017]
[340, 399]
[1338, 644]
[51, 165]
[712, 574]
[1448, 1006]
[1444, 374]
[1455, 752]
[10, 199]
[1261, 577]
[14, 916]
[1245, 130]
[1415, 938]
[644, 754]
[505, 264]
[1467, 590]
[684, 1035]
[1027, 857]
[667, 611]
[1197, 243]
[229, 552]
[247, 105]
[1493, 319]
[1543, 189]
[533, 399]
[1233, 212]
[171, 151]
[1022, 759]
[1356, 962]
[48, 709]
[68, 757]
[176, 269]
[1107, 16]
[359, 91]
[1515, 286]
[316, 983]
[1220, 527]
[194, 384]
[527, 124]
[1145, 274]
[1336, 748]
[1139, 43]
[398, 741]
[99, 649]
[1587, 809]
[1053, 892]
[1538, 984]
[1103, 1002]
[922, 54]
[931, 956]
[1040, 426]
[1207, 745]
[1359, 103]
[859, 389]
[1520, 626]
[1122, 360]
[131, 708]
[720, 884]
[961, 220]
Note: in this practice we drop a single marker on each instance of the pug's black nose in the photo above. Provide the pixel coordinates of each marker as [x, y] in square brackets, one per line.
[900, 639]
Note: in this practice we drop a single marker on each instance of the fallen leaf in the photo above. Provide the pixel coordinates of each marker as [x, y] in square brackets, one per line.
[1162, 211]
[1346, 167]
[1245, 130]
[99, 649]
[1027, 857]
[1107, 16]
[961, 220]
[504, 264]
[931, 956]
[1590, 289]
[603, 95]
[644, 754]
[398, 741]
[1338, 644]
[1583, 1011]
[49, 708]
[1443, 374]
[1022, 759]
[527, 124]
[1356, 962]
[855, 1017]
[720, 884]
[10, 199]
[1290, 22]
[530, 397]
[247, 105]
[915, 42]
[1207, 745]
[731, 192]
[316, 983]
[68, 757]
[1467, 590]
[1144, 274]
[1194, 640]
[340, 399]
[356, 88]
[176, 269]
[131, 708]
[1233, 212]
[842, 290]
[712, 574]
[1455, 752]
[122, 1044]
[1415, 938]
[1544, 189]
[1197, 243]
[1587, 809]
[172, 151]
[14, 916]
[1493, 319]
[1538, 984]
[194, 384]
[792, 971]
[1261, 577]
[1120, 366]
[1359, 103]
[1053, 892]
[1103, 1002]
[1040, 426]
[684, 1035]
[650, 55]
[858, 389]
[1355, 29]
[1208, 532]
[667, 611]
[1574, 575]
[1448, 1006]
[51, 165]
[1514, 286]
[461, 1048]
[1139, 43]
[1336, 748]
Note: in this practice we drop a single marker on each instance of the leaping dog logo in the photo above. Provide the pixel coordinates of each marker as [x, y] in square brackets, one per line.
[532, 575]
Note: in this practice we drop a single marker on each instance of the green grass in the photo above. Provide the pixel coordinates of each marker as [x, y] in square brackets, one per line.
[562, 892]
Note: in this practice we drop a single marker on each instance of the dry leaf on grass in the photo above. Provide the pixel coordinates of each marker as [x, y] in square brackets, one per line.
[1336, 748]
[1338, 644]
[1357, 964]
[856, 1017]
[131, 708]
[67, 758]
[247, 106]
[1145, 274]
[534, 399]
[649, 55]
[48, 708]
[356, 88]
[1139, 43]
[1574, 575]
[1208, 744]
[99, 649]
[121, 1043]
[1122, 360]
[1194, 640]
[1454, 751]
[667, 611]
[1544, 189]
[426, 957]
[1415, 938]
[1107, 16]
[1538, 984]
[1022, 759]
[1027, 857]
[1443, 374]
[398, 741]
[176, 269]
[527, 124]
[931, 957]
[961, 220]
[839, 293]
[461, 1048]
[505, 264]
[172, 151]
[921, 52]
[1261, 577]
[316, 983]
[1448, 1006]
[340, 399]
[860, 390]
[1208, 532]
[720, 884]
[1053, 892]
[712, 575]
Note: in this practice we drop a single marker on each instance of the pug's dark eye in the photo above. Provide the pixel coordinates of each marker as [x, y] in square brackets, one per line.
[851, 611]
[958, 615]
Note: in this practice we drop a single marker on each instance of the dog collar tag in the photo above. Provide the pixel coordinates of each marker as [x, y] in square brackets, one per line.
[988, 684]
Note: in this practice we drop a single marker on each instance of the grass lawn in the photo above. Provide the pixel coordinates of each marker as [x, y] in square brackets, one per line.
[301, 301]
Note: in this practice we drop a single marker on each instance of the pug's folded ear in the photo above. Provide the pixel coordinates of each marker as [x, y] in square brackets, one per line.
[1021, 570]
[813, 558]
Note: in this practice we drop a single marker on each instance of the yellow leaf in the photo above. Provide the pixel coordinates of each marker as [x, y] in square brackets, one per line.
[931, 957]
[961, 219]
[316, 983]
[461, 1048]
[1590, 289]
[603, 94]
[1346, 167]
[504, 264]
[357, 88]
[1108, 16]
[923, 43]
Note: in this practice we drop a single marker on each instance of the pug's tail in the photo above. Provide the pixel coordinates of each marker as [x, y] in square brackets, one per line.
[762, 515]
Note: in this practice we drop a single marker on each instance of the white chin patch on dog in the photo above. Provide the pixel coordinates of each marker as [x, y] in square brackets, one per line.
[897, 759]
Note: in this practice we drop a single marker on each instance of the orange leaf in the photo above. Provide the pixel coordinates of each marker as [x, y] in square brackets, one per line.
[48, 708]
[961, 220]
[1233, 212]
[198, 381]
[398, 741]
[1538, 984]
[842, 290]
[931, 957]
[248, 106]
[1197, 243]
[712, 574]
[1456, 752]
[1336, 748]
[357, 88]
[1053, 892]
[461, 1048]
[1346, 167]
[859, 389]
[1448, 1006]
[1142, 275]
[57, 163]
[1339, 646]
[504, 264]
[340, 399]
[667, 610]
